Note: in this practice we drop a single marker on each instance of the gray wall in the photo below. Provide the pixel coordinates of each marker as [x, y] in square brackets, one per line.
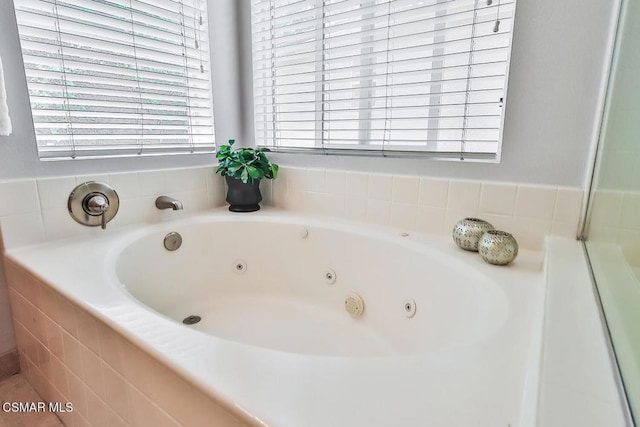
[559, 55]
[18, 154]
[559, 64]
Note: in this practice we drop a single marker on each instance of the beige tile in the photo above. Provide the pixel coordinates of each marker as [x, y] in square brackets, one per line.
[116, 392]
[405, 189]
[152, 183]
[431, 219]
[49, 302]
[21, 335]
[126, 185]
[22, 229]
[433, 192]
[19, 197]
[380, 187]
[59, 224]
[357, 185]
[72, 354]
[53, 333]
[201, 411]
[404, 215]
[499, 222]
[143, 411]
[279, 191]
[92, 372]
[356, 208]
[296, 179]
[87, 330]
[86, 178]
[530, 233]
[333, 205]
[379, 212]
[59, 376]
[111, 347]
[67, 319]
[335, 182]
[77, 392]
[44, 361]
[498, 198]
[563, 229]
[114, 420]
[315, 180]
[535, 202]
[54, 192]
[97, 410]
[189, 179]
[568, 205]
[464, 196]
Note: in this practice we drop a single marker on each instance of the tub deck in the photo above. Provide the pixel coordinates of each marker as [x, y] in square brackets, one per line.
[493, 382]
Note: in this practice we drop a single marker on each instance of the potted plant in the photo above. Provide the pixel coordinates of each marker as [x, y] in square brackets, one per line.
[243, 168]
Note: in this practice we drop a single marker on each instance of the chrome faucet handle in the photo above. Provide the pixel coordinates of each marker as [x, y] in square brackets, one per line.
[93, 203]
[97, 204]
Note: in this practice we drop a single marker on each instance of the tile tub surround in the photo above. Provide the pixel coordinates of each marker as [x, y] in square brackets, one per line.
[35, 210]
[433, 205]
[67, 355]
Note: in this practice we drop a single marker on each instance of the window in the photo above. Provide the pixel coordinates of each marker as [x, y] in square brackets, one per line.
[117, 77]
[382, 76]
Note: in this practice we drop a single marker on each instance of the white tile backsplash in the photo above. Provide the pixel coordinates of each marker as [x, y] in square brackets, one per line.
[566, 201]
[405, 189]
[19, 197]
[380, 187]
[497, 198]
[464, 195]
[36, 209]
[535, 202]
[335, 182]
[433, 192]
[434, 205]
[357, 185]
[53, 192]
[22, 229]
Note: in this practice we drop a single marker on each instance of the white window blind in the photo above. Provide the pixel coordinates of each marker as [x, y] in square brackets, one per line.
[117, 77]
[382, 76]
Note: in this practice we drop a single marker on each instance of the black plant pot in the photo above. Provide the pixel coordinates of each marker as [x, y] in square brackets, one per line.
[243, 197]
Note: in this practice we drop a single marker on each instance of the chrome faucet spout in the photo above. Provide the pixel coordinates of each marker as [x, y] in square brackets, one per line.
[166, 202]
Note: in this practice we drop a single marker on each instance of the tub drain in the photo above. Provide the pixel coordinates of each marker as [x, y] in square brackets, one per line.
[191, 320]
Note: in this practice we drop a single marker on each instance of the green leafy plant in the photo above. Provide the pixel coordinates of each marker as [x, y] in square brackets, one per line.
[245, 164]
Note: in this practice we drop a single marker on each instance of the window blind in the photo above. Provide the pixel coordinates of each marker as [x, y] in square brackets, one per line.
[382, 76]
[117, 77]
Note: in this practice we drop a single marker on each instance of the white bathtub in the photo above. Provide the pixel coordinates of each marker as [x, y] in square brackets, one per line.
[275, 340]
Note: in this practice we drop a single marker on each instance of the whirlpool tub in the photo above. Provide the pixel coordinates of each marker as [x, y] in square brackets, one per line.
[290, 320]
